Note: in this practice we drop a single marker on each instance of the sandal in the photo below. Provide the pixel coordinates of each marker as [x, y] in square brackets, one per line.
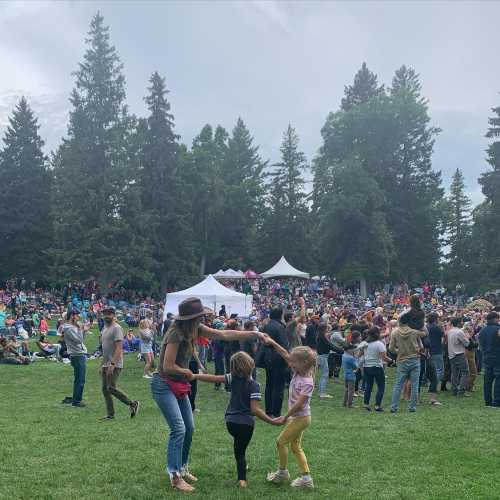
[179, 484]
[187, 476]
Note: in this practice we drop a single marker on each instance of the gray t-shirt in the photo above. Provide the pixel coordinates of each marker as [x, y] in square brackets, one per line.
[109, 335]
[74, 337]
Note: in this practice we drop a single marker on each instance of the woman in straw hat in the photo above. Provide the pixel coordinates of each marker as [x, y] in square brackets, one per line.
[170, 385]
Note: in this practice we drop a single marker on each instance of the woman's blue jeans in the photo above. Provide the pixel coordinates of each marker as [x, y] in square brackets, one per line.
[323, 368]
[179, 417]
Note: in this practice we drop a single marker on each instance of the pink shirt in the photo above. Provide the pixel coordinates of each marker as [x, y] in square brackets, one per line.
[301, 386]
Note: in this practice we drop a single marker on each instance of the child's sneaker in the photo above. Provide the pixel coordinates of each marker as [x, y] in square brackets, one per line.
[280, 476]
[302, 482]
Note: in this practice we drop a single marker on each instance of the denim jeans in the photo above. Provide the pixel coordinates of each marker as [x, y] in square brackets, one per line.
[407, 369]
[437, 360]
[323, 367]
[492, 392]
[179, 417]
[79, 364]
[374, 374]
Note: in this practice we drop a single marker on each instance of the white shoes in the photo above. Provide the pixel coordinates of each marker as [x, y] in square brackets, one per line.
[301, 482]
[325, 396]
[278, 477]
[147, 376]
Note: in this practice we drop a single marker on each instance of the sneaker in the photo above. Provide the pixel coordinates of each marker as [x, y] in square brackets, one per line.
[393, 410]
[436, 403]
[78, 404]
[367, 408]
[67, 400]
[325, 396]
[134, 408]
[301, 482]
[107, 417]
[412, 410]
[379, 409]
[279, 476]
[356, 395]
[147, 376]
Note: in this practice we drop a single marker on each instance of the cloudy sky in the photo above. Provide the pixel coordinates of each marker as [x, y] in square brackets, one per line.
[272, 63]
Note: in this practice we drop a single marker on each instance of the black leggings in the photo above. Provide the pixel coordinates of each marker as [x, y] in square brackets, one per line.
[242, 435]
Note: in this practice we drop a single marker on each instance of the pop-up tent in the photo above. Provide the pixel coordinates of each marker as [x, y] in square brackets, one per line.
[284, 269]
[213, 295]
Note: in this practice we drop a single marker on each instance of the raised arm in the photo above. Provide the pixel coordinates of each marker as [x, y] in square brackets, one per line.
[226, 335]
[280, 350]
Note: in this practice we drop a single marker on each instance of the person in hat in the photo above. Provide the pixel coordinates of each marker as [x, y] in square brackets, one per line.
[171, 383]
[112, 365]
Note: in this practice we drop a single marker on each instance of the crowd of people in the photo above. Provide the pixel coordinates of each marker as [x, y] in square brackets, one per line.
[300, 332]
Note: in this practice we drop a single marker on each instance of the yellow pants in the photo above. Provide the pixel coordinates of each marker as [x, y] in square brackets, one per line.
[292, 435]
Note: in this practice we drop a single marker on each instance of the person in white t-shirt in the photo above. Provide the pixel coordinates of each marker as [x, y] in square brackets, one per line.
[374, 358]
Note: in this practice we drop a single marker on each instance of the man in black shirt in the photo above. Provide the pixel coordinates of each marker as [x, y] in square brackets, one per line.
[489, 341]
[276, 368]
[311, 339]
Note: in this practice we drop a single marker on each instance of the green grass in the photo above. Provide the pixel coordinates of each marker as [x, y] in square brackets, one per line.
[51, 451]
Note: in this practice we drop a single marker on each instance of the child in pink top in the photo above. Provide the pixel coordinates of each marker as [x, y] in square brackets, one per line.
[302, 361]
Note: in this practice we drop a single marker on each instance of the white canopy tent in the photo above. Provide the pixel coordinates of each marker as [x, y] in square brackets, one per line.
[229, 274]
[213, 295]
[283, 268]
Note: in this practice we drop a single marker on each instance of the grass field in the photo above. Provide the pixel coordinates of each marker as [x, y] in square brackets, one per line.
[53, 451]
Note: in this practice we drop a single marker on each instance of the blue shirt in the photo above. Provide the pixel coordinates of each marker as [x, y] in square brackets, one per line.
[349, 365]
[2, 319]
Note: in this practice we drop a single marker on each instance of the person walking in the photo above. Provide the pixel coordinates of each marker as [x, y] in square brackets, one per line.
[112, 365]
[74, 335]
[276, 367]
[489, 341]
[457, 343]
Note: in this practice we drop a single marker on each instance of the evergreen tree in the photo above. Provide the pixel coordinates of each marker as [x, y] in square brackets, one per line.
[356, 242]
[414, 190]
[207, 194]
[285, 223]
[364, 88]
[25, 224]
[487, 214]
[459, 231]
[243, 199]
[92, 170]
[163, 191]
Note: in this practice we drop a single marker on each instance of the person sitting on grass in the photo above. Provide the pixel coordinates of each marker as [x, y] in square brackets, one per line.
[302, 361]
[243, 407]
[47, 349]
[130, 342]
[9, 354]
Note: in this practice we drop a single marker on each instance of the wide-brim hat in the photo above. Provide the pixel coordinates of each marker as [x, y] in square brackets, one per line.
[192, 308]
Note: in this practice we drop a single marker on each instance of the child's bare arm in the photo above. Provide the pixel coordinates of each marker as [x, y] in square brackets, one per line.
[205, 377]
[280, 350]
[259, 413]
[299, 405]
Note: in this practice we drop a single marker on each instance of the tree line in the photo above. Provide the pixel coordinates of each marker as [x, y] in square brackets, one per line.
[123, 200]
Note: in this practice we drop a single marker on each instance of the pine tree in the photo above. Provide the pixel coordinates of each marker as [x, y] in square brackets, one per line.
[487, 214]
[413, 188]
[163, 192]
[25, 224]
[459, 230]
[285, 223]
[207, 194]
[92, 170]
[364, 88]
[243, 198]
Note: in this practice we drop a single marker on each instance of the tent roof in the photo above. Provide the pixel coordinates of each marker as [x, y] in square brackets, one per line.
[209, 286]
[283, 268]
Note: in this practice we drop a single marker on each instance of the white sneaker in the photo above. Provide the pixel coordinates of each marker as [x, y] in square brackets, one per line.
[147, 376]
[280, 476]
[325, 396]
[300, 482]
